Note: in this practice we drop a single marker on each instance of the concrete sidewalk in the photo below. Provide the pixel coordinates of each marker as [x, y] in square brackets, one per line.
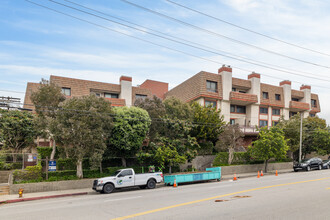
[255, 174]
[76, 192]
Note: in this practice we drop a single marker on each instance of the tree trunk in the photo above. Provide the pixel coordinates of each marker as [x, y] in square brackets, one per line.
[170, 171]
[123, 161]
[52, 155]
[101, 171]
[266, 164]
[230, 155]
[79, 169]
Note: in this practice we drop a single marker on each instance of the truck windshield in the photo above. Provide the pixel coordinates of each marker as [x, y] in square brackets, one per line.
[116, 173]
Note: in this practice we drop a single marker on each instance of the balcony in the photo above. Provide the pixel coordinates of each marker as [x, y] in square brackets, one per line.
[116, 102]
[249, 130]
[299, 106]
[243, 98]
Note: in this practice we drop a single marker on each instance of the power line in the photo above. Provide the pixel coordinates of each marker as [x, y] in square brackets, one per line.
[11, 91]
[156, 44]
[200, 46]
[222, 36]
[244, 28]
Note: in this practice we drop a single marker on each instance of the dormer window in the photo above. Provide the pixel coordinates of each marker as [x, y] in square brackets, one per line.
[211, 86]
[313, 102]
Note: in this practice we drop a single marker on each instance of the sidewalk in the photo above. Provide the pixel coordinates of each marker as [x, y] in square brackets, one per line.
[77, 192]
[44, 195]
[255, 174]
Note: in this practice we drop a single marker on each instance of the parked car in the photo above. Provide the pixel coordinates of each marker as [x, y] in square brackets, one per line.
[326, 164]
[308, 164]
[127, 178]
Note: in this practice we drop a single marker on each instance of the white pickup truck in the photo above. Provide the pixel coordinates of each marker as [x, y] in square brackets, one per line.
[127, 178]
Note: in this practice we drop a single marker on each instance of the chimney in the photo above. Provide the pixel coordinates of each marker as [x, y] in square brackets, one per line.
[225, 68]
[227, 81]
[126, 89]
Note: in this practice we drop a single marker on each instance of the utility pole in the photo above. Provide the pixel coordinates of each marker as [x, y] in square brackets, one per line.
[300, 142]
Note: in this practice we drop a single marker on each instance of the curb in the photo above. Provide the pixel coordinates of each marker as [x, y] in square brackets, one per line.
[42, 197]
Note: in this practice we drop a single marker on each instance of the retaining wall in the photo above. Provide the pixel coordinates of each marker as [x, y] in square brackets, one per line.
[225, 170]
[52, 186]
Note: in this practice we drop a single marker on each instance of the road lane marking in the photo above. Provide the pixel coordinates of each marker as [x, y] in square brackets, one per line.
[328, 188]
[111, 200]
[214, 197]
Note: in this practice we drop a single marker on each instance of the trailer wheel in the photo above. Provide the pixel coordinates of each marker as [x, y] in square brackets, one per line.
[108, 188]
[151, 184]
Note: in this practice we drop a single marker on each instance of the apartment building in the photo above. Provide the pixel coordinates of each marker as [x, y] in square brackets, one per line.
[122, 94]
[247, 102]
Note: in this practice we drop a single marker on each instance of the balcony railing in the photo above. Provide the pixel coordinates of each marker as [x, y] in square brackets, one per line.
[243, 98]
[299, 105]
[249, 129]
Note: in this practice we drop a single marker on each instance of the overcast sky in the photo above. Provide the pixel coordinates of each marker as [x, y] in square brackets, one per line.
[36, 42]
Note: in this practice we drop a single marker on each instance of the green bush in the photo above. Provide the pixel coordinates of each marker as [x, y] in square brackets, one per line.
[66, 164]
[31, 173]
[221, 159]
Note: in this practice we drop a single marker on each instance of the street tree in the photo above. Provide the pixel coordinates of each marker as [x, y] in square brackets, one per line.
[156, 110]
[46, 101]
[229, 140]
[271, 144]
[17, 129]
[82, 125]
[208, 124]
[130, 129]
[169, 156]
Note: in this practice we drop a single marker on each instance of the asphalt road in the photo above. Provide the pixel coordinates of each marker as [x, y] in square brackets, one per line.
[302, 195]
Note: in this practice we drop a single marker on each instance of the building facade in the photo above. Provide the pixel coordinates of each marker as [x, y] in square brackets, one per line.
[122, 94]
[249, 102]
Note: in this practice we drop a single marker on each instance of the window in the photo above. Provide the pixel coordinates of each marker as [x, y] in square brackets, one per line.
[242, 92]
[237, 109]
[232, 121]
[263, 110]
[138, 96]
[265, 95]
[263, 123]
[295, 99]
[211, 86]
[313, 101]
[233, 89]
[66, 91]
[232, 108]
[111, 95]
[275, 123]
[277, 97]
[210, 103]
[276, 111]
[240, 109]
[312, 115]
[126, 173]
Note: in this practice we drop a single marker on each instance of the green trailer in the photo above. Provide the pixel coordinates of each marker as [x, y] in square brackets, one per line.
[213, 173]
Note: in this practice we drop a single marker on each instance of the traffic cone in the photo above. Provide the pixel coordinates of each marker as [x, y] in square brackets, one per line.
[235, 178]
[261, 173]
[276, 174]
[174, 185]
[258, 175]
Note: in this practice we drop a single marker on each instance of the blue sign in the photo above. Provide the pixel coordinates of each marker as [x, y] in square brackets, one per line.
[52, 165]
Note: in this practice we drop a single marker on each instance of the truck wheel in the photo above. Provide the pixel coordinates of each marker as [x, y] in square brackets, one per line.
[108, 188]
[151, 184]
